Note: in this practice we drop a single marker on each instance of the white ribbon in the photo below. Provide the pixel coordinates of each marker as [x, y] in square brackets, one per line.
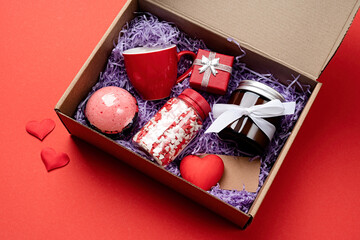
[226, 114]
[207, 63]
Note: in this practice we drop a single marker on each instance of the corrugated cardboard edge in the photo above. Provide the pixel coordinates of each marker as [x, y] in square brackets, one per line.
[269, 180]
[341, 35]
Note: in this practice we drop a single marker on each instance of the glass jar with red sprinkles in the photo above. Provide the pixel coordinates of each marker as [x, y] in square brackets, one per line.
[173, 126]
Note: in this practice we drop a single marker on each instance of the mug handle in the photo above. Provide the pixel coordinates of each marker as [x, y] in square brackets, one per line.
[184, 75]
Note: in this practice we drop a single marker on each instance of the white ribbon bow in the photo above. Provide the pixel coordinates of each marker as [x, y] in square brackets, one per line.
[226, 114]
[209, 64]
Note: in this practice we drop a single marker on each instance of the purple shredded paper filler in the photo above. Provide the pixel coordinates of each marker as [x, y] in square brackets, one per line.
[147, 30]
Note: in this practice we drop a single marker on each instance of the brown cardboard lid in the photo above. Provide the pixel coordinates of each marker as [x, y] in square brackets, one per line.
[302, 35]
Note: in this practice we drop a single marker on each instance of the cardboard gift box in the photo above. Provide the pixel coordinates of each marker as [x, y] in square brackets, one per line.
[211, 80]
[287, 38]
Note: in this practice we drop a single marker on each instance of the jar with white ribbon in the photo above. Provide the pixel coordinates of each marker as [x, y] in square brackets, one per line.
[251, 116]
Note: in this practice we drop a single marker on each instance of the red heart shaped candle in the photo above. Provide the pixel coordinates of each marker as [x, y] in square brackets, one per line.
[53, 160]
[203, 172]
[40, 129]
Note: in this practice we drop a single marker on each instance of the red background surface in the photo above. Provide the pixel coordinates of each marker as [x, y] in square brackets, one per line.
[42, 46]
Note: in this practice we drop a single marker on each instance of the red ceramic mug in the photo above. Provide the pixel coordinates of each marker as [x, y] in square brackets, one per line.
[153, 71]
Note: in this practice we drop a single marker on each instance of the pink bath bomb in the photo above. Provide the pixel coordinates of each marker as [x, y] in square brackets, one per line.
[111, 110]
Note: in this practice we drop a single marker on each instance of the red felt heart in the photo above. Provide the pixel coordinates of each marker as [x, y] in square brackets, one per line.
[203, 172]
[40, 129]
[53, 160]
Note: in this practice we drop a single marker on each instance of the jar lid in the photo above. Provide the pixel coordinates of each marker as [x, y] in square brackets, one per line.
[261, 89]
[197, 101]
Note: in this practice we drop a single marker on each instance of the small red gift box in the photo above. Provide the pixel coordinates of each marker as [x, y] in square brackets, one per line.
[211, 72]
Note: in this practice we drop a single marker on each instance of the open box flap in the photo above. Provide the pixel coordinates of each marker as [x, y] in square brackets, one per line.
[302, 35]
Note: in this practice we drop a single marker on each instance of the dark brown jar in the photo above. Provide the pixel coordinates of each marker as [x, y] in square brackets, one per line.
[251, 140]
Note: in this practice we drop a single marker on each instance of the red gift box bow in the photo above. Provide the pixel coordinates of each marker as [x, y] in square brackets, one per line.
[208, 66]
